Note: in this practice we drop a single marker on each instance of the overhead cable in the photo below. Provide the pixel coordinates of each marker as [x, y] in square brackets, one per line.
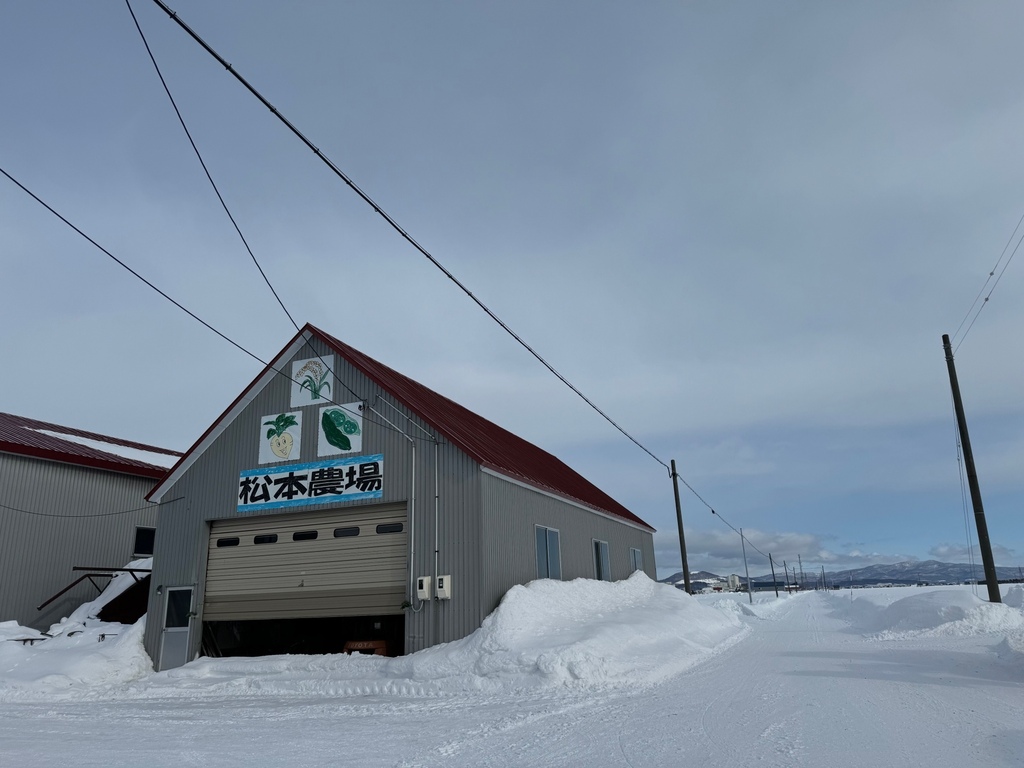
[742, 536]
[991, 274]
[202, 162]
[396, 226]
[180, 306]
[98, 514]
[216, 190]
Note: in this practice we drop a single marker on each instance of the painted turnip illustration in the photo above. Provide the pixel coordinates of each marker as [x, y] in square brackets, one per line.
[281, 441]
[338, 427]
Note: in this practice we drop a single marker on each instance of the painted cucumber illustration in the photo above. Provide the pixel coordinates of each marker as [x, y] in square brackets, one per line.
[338, 426]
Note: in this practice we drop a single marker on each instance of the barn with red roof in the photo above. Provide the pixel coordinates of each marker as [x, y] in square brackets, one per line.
[69, 498]
[337, 504]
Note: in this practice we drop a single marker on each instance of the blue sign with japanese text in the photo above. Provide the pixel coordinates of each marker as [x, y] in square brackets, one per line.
[318, 482]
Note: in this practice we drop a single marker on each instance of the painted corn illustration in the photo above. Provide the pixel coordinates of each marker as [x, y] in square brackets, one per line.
[315, 379]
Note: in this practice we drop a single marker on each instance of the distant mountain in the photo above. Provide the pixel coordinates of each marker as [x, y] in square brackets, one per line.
[908, 572]
[677, 577]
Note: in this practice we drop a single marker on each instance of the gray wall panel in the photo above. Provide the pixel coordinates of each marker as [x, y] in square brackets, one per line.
[208, 492]
[485, 525]
[91, 528]
[511, 513]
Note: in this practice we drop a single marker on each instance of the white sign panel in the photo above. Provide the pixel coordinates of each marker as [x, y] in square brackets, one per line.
[312, 381]
[318, 482]
[280, 437]
[341, 429]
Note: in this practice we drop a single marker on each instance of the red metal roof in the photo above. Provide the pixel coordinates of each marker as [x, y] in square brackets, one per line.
[22, 436]
[485, 442]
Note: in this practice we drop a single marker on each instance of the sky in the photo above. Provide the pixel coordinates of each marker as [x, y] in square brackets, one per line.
[740, 230]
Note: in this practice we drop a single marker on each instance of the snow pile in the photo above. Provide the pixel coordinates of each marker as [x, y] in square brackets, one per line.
[764, 606]
[546, 634]
[1014, 642]
[1014, 596]
[92, 658]
[933, 613]
[591, 632]
[86, 613]
[78, 653]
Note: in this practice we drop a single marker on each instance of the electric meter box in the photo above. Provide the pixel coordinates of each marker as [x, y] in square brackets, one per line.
[444, 587]
[423, 588]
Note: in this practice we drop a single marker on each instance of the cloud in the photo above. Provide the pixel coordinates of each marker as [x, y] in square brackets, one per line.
[720, 552]
[955, 553]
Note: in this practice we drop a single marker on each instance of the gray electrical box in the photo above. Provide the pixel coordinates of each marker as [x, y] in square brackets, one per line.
[444, 587]
[423, 588]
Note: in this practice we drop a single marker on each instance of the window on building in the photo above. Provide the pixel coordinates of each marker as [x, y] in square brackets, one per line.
[636, 559]
[266, 538]
[390, 528]
[602, 563]
[144, 540]
[344, 533]
[549, 559]
[304, 535]
[229, 541]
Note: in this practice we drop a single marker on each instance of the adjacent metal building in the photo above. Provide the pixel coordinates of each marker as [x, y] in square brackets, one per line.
[337, 503]
[67, 498]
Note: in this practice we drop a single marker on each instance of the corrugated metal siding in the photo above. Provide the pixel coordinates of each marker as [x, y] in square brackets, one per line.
[207, 492]
[37, 553]
[359, 575]
[511, 513]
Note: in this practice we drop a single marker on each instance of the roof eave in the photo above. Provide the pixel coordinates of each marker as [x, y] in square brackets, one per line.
[137, 469]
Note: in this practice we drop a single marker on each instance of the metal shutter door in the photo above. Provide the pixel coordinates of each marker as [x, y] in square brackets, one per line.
[362, 575]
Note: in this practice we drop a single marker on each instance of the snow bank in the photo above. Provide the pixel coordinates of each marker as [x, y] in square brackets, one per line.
[952, 612]
[547, 634]
[764, 606]
[1014, 596]
[91, 659]
[79, 653]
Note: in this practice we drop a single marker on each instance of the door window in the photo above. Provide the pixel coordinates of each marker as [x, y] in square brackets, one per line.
[179, 605]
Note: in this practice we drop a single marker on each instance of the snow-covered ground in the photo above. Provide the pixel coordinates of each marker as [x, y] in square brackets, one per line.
[633, 673]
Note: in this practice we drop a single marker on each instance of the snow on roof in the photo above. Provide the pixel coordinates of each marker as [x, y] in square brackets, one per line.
[43, 440]
[161, 459]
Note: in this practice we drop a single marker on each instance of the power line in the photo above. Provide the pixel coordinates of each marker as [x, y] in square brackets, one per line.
[206, 170]
[397, 227]
[180, 306]
[991, 274]
[98, 514]
[742, 536]
[216, 190]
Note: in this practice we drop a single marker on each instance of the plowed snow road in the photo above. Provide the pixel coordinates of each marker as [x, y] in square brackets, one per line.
[801, 687]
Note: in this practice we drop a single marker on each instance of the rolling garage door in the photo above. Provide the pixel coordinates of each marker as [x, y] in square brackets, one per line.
[344, 562]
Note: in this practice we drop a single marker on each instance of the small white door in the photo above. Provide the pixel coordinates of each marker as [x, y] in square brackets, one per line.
[177, 620]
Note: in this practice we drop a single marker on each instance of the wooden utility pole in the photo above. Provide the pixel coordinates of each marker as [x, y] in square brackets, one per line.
[774, 582]
[991, 580]
[679, 522]
[743, 544]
